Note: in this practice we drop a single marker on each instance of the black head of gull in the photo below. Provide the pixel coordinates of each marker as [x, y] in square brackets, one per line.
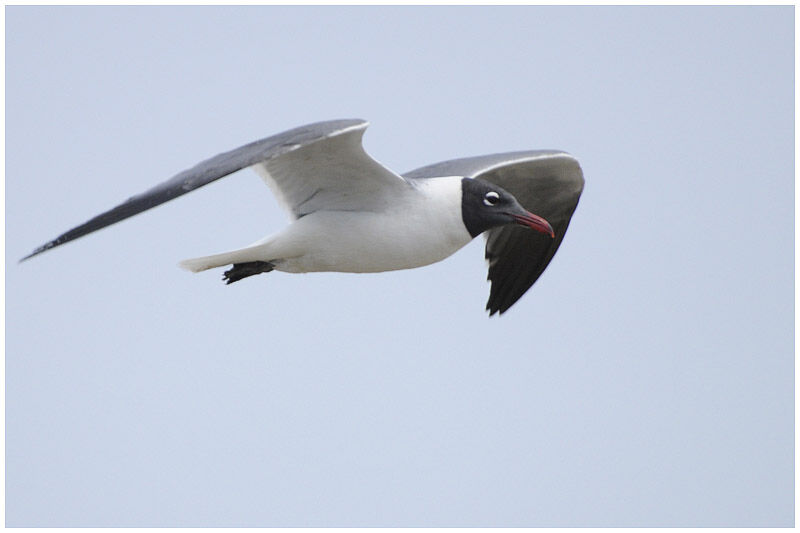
[351, 214]
[485, 206]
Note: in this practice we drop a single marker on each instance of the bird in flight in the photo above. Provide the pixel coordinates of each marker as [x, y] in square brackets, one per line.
[351, 214]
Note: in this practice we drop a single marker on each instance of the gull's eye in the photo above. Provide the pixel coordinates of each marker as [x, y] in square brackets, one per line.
[491, 198]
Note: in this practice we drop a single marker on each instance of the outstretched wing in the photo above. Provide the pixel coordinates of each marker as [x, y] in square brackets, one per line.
[334, 175]
[547, 183]
[309, 168]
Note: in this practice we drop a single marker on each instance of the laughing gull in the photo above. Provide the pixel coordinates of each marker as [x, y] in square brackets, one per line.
[351, 214]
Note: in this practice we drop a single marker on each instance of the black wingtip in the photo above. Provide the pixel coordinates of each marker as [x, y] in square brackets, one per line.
[35, 252]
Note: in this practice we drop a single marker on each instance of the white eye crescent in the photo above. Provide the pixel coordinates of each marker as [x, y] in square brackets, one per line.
[491, 198]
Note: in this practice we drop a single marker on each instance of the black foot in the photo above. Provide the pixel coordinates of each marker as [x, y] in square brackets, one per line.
[243, 270]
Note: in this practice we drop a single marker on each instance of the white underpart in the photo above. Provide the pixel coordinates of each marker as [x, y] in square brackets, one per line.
[422, 227]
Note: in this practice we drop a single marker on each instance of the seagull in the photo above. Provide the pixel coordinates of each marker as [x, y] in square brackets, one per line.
[349, 213]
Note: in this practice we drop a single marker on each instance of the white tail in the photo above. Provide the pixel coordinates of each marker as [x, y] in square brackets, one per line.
[198, 264]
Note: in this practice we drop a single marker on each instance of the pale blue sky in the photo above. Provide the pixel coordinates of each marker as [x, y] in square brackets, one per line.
[645, 380]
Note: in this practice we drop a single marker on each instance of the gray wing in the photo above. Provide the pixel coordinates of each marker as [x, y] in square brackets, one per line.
[336, 174]
[547, 183]
[314, 166]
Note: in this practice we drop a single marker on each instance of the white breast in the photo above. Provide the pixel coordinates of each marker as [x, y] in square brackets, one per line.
[421, 228]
